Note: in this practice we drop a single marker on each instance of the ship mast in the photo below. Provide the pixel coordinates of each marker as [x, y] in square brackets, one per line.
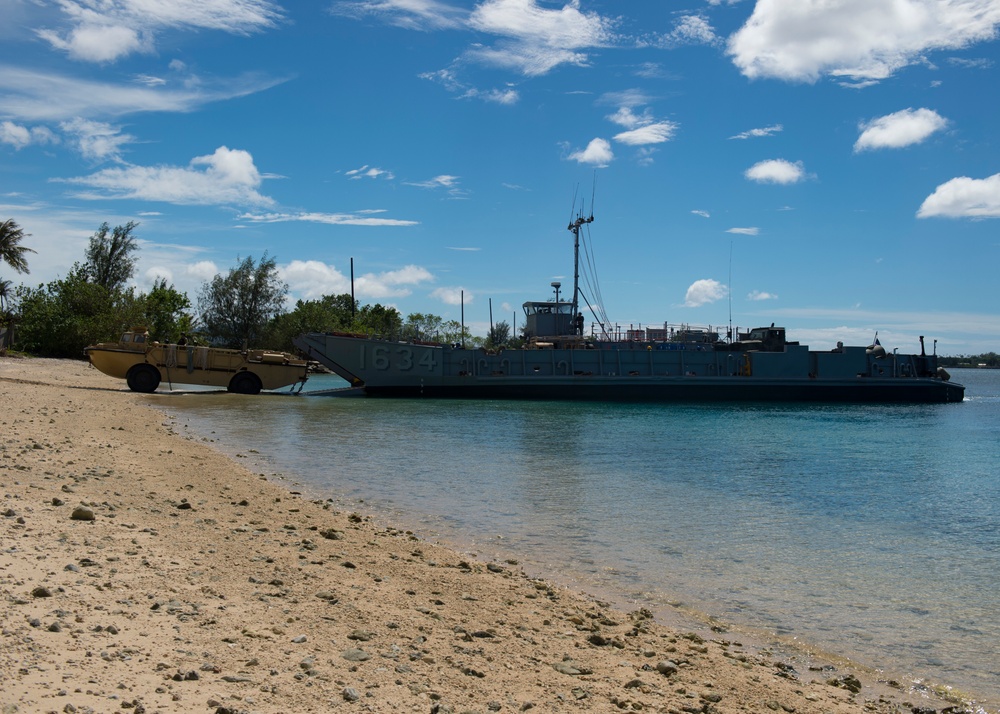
[575, 228]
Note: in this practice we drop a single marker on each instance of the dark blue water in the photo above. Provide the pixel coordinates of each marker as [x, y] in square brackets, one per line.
[872, 532]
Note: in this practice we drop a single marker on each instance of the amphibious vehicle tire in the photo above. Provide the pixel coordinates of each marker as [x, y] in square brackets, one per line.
[245, 383]
[143, 378]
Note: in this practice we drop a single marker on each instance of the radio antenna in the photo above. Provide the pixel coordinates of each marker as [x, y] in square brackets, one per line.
[730, 290]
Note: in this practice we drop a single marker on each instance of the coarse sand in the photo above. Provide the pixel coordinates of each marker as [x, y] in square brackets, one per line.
[143, 571]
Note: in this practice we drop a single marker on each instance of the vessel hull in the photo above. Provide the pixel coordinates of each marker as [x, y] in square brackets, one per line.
[630, 373]
[202, 366]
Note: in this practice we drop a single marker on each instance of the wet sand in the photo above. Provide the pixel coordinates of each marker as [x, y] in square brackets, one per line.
[141, 570]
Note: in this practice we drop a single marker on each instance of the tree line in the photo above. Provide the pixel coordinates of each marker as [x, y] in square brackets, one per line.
[244, 308]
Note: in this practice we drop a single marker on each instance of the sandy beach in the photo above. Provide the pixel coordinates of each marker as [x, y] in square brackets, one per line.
[143, 571]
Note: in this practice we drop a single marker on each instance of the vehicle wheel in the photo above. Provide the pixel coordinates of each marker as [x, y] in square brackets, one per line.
[143, 378]
[245, 383]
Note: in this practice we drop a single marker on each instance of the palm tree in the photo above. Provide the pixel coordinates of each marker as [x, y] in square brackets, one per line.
[10, 252]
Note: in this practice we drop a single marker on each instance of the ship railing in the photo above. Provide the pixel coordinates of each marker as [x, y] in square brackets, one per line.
[665, 332]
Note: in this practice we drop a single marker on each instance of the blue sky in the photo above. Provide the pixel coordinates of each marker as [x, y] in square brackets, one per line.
[829, 165]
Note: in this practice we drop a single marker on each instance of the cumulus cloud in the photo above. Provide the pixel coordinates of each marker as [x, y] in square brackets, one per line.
[762, 131]
[225, 177]
[703, 292]
[751, 231]
[761, 295]
[203, 270]
[21, 136]
[964, 197]
[903, 128]
[156, 273]
[776, 171]
[106, 31]
[862, 40]
[598, 153]
[311, 279]
[451, 296]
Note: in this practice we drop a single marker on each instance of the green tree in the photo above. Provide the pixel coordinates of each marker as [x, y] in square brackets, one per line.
[164, 311]
[11, 252]
[379, 320]
[331, 313]
[499, 335]
[236, 308]
[110, 260]
[63, 317]
[5, 295]
[419, 326]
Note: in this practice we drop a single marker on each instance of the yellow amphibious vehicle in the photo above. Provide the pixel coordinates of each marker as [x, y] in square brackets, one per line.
[144, 364]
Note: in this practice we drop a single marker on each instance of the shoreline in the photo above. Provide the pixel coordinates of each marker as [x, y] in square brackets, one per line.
[201, 585]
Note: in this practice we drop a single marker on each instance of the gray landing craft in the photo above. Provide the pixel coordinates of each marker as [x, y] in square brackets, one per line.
[558, 361]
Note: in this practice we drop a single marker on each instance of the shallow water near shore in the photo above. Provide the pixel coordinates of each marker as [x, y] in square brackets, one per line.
[868, 531]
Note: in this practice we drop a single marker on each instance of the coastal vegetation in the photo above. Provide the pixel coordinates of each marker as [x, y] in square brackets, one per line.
[244, 308]
[989, 360]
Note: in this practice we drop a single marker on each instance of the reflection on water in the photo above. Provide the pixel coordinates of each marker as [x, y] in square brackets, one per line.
[870, 531]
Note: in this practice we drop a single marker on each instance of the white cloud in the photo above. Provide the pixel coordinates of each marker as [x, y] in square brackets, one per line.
[903, 128]
[156, 273]
[536, 39]
[445, 181]
[630, 120]
[690, 30]
[21, 136]
[360, 218]
[625, 98]
[311, 279]
[450, 81]
[228, 177]
[371, 172]
[496, 96]
[29, 95]
[452, 296]
[757, 295]
[411, 14]
[802, 40]
[526, 59]
[776, 171]
[703, 214]
[762, 131]
[964, 197]
[203, 270]
[597, 153]
[752, 231]
[655, 133]
[703, 292]
[96, 141]
[105, 31]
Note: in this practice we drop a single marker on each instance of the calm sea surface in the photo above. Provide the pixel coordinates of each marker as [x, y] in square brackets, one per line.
[872, 532]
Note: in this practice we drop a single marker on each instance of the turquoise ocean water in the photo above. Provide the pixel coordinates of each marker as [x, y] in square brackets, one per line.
[871, 532]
